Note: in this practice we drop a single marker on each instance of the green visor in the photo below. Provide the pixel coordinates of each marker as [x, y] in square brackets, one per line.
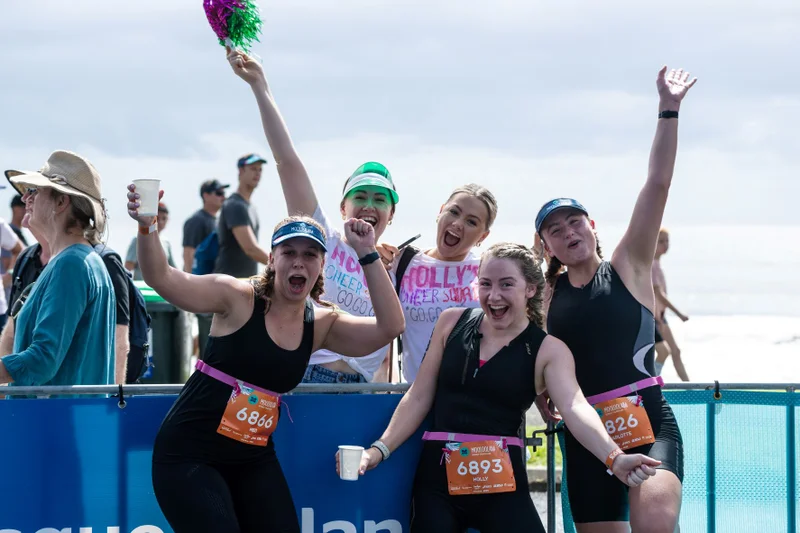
[373, 174]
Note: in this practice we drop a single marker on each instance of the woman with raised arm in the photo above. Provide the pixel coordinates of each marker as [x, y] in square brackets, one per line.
[481, 373]
[214, 464]
[368, 194]
[603, 311]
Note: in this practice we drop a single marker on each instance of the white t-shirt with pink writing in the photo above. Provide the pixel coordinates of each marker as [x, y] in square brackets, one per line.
[346, 287]
[429, 287]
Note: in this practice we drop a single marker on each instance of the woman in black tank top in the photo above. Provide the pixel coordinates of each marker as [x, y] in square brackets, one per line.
[603, 311]
[480, 374]
[214, 463]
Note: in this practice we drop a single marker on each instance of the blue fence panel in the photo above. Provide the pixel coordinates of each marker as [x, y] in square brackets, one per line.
[740, 462]
[84, 463]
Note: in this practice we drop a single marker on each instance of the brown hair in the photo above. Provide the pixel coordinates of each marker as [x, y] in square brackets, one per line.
[481, 193]
[81, 213]
[264, 284]
[529, 266]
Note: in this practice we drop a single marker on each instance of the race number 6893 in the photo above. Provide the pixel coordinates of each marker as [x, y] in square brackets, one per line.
[483, 467]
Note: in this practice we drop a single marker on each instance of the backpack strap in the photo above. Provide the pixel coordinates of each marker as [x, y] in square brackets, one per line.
[408, 254]
[405, 259]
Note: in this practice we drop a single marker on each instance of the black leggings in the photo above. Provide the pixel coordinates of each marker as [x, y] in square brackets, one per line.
[247, 498]
[434, 510]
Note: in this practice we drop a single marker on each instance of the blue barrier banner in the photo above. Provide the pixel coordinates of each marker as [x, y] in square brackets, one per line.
[83, 465]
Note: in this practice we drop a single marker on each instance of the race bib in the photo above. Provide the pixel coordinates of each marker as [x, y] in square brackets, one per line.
[250, 416]
[626, 421]
[482, 467]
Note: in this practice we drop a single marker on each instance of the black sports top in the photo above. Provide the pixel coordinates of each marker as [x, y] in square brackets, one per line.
[189, 430]
[488, 400]
[611, 335]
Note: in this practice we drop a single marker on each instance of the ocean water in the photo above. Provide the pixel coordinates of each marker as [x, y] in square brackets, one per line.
[737, 348]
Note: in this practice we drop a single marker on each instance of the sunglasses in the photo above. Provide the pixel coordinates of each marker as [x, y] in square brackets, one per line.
[31, 191]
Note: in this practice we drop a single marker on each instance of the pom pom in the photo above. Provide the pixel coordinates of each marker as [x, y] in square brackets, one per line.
[236, 23]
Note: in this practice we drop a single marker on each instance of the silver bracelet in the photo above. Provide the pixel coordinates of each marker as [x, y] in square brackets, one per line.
[382, 448]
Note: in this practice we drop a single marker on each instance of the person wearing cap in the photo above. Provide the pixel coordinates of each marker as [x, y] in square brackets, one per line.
[604, 312]
[238, 225]
[203, 221]
[131, 263]
[212, 469]
[17, 214]
[64, 333]
[195, 230]
[369, 194]
[7, 246]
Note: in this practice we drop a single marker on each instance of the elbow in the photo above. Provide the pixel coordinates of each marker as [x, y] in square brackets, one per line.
[396, 328]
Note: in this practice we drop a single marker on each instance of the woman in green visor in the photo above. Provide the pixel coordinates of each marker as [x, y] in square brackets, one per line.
[368, 194]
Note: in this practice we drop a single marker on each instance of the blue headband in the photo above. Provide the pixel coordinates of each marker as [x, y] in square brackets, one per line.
[298, 229]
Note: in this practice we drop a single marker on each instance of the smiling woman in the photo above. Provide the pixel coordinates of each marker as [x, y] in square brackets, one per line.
[368, 195]
[444, 276]
[213, 459]
[480, 375]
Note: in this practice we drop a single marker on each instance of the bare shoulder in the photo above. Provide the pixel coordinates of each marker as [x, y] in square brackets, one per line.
[447, 321]
[553, 346]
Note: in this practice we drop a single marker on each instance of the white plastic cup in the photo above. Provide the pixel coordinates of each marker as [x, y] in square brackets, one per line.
[147, 189]
[349, 462]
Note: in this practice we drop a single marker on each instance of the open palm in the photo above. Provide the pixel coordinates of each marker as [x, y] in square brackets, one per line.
[673, 86]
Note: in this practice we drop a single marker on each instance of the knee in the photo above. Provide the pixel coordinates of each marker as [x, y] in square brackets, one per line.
[676, 353]
[662, 520]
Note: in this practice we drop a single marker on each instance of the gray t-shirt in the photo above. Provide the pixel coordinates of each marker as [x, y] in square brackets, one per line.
[197, 227]
[231, 260]
[130, 257]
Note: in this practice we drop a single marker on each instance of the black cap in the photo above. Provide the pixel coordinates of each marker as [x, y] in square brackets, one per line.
[212, 186]
[249, 159]
[16, 201]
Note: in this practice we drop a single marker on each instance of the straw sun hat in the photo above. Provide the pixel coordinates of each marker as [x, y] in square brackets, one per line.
[68, 173]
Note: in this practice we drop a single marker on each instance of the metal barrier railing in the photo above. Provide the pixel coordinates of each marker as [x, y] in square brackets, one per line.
[549, 433]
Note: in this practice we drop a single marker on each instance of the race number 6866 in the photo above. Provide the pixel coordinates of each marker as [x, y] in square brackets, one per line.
[483, 467]
[253, 418]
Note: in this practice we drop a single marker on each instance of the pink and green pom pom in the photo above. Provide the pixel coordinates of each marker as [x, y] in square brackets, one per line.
[237, 23]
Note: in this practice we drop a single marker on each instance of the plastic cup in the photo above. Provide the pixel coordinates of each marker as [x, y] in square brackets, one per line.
[349, 462]
[148, 189]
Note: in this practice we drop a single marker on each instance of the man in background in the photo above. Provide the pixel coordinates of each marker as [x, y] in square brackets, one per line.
[237, 229]
[195, 230]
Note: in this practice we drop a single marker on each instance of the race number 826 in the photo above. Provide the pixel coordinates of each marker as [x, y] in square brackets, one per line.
[620, 424]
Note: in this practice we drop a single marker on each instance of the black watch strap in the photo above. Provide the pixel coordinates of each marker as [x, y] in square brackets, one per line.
[369, 258]
[668, 114]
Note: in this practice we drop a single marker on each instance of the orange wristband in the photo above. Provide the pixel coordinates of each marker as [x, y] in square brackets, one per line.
[147, 230]
[610, 459]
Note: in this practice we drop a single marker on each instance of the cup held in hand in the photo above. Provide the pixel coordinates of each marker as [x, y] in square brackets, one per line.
[148, 189]
[349, 462]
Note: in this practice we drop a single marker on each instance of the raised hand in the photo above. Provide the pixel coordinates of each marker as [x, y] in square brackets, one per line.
[133, 206]
[360, 235]
[245, 67]
[634, 469]
[673, 86]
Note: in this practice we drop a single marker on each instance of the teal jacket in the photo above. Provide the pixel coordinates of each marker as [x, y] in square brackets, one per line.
[65, 332]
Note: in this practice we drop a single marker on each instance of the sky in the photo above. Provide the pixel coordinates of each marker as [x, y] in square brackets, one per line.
[531, 99]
